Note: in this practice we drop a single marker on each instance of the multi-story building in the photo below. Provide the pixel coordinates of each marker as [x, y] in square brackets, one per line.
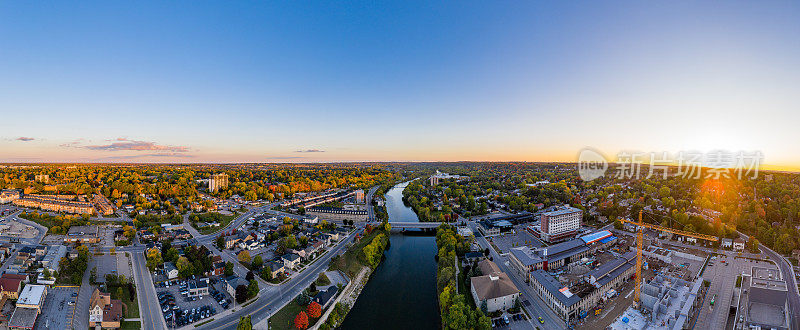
[50, 203]
[8, 196]
[525, 260]
[102, 204]
[43, 178]
[359, 196]
[560, 223]
[218, 181]
[572, 300]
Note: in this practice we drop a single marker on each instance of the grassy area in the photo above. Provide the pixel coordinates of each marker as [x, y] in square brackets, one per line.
[211, 217]
[349, 262]
[130, 301]
[130, 325]
[284, 318]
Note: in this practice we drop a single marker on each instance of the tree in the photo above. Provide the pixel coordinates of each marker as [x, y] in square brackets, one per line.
[252, 288]
[314, 310]
[220, 242]
[228, 268]
[245, 323]
[301, 321]
[244, 256]
[154, 259]
[312, 287]
[241, 293]
[250, 276]
[185, 268]
[266, 273]
[257, 261]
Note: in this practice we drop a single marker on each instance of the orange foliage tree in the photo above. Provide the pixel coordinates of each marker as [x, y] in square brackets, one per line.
[301, 321]
[314, 310]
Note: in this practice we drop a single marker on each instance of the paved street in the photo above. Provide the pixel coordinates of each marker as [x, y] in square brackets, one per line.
[146, 293]
[537, 307]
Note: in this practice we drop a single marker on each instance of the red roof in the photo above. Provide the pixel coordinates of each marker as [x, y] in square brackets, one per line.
[10, 284]
[21, 277]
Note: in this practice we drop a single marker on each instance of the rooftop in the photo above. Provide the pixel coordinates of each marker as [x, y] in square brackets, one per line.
[493, 286]
[23, 318]
[32, 294]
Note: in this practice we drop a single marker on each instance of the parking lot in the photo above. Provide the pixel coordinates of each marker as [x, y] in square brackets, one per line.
[178, 309]
[519, 237]
[515, 321]
[106, 234]
[109, 264]
[58, 308]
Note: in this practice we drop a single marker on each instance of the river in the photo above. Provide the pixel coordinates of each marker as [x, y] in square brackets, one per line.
[401, 293]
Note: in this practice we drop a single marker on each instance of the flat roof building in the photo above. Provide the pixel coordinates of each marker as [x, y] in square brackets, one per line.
[82, 234]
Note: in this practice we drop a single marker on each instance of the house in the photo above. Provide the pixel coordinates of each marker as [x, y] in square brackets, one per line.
[275, 268]
[738, 244]
[218, 268]
[104, 311]
[290, 260]
[170, 270]
[324, 297]
[250, 244]
[232, 282]
[727, 243]
[301, 253]
[231, 241]
[10, 287]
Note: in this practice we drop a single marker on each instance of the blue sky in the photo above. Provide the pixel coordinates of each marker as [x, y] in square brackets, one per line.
[261, 81]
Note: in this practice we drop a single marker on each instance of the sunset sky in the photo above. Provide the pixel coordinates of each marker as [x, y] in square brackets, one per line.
[305, 81]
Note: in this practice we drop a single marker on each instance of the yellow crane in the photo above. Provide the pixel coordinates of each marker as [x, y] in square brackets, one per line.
[639, 242]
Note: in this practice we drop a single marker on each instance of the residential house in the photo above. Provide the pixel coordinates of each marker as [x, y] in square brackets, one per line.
[325, 297]
[275, 268]
[170, 270]
[738, 244]
[104, 311]
[290, 260]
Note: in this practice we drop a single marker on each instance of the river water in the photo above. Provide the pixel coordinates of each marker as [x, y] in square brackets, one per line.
[401, 293]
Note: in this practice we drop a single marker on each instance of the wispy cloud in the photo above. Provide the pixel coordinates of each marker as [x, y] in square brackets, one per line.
[25, 139]
[72, 144]
[310, 150]
[135, 145]
[285, 157]
[173, 155]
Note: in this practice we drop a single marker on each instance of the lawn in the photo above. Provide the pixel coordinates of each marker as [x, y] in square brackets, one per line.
[130, 301]
[210, 217]
[284, 318]
[348, 262]
[130, 325]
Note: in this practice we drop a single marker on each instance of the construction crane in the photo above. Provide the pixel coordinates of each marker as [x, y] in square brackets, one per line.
[639, 242]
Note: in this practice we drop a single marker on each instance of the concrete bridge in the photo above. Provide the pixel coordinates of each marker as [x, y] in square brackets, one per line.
[420, 225]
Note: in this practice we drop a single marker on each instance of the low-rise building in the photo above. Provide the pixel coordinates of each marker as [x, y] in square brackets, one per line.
[290, 260]
[494, 288]
[275, 268]
[104, 311]
[738, 244]
[82, 234]
[170, 270]
[199, 287]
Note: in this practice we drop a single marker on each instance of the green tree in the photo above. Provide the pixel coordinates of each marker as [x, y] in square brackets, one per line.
[245, 323]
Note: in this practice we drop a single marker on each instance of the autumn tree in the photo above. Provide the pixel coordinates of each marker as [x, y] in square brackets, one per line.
[244, 256]
[301, 321]
[314, 310]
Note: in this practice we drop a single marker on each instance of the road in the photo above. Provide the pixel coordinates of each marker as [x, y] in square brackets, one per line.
[537, 306]
[274, 297]
[368, 201]
[791, 283]
[149, 309]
